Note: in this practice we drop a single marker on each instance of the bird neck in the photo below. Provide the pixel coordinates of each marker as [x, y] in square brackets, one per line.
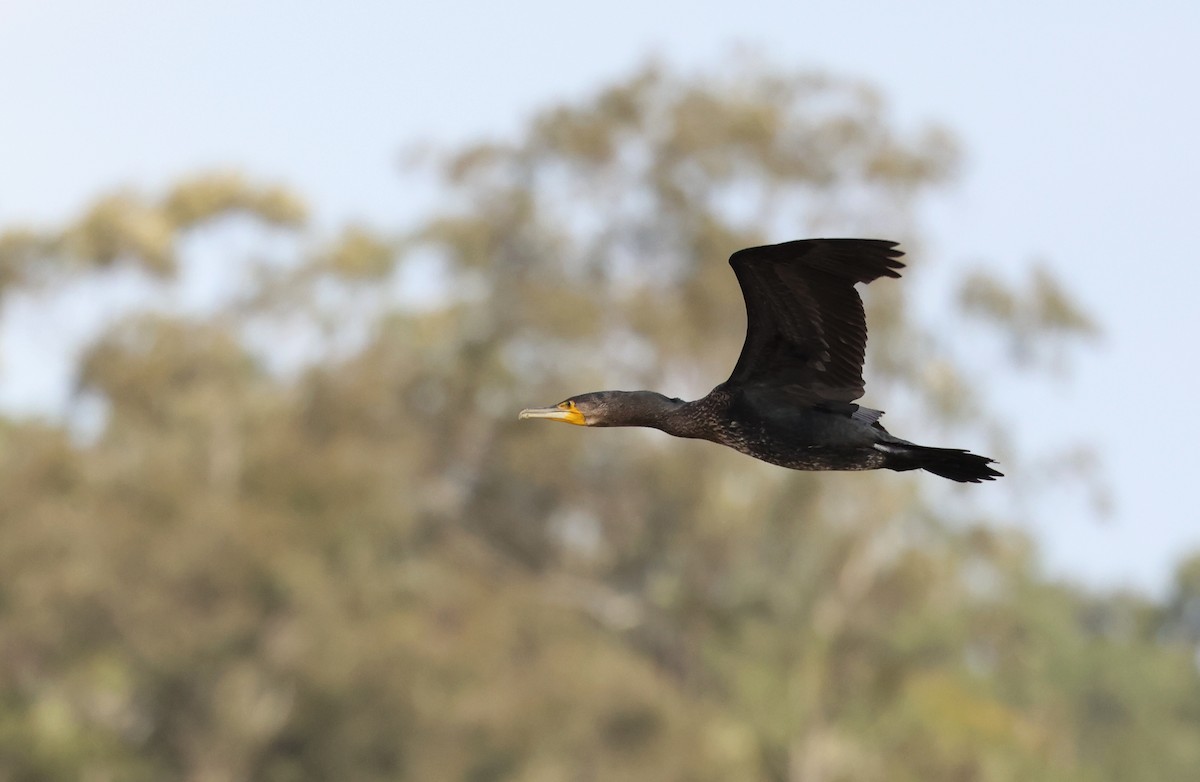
[645, 408]
[673, 416]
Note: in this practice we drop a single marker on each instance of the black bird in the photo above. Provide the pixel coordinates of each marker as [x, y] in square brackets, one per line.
[790, 399]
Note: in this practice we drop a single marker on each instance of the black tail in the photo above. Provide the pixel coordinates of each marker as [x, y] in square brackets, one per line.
[953, 463]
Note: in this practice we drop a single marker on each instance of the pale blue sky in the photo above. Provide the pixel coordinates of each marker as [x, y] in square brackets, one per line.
[1080, 122]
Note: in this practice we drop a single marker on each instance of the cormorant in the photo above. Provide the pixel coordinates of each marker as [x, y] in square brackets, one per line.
[790, 399]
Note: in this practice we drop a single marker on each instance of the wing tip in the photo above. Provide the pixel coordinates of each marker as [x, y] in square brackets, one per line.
[869, 258]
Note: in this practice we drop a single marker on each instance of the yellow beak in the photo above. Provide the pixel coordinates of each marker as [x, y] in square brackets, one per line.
[563, 412]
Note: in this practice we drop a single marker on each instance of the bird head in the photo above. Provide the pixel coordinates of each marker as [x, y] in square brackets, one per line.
[608, 408]
[582, 410]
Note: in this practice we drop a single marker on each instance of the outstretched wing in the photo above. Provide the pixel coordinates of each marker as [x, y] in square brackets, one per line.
[806, 332]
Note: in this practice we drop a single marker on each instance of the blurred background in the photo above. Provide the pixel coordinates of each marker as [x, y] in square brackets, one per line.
[275, 279]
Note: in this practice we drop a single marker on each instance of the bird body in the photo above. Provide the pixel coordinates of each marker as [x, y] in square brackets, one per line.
[790, 398]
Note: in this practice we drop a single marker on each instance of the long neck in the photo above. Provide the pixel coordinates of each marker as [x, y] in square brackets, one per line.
[640, 408]
[651, 409]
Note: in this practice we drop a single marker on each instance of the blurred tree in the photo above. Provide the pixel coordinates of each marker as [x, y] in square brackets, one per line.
[1182, 618]
[311, 541]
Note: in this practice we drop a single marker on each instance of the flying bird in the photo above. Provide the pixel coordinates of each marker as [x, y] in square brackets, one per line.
[791, 398]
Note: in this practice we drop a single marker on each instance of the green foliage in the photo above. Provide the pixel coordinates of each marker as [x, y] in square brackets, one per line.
[1043, 309]
[130, 228]
[366, 569]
